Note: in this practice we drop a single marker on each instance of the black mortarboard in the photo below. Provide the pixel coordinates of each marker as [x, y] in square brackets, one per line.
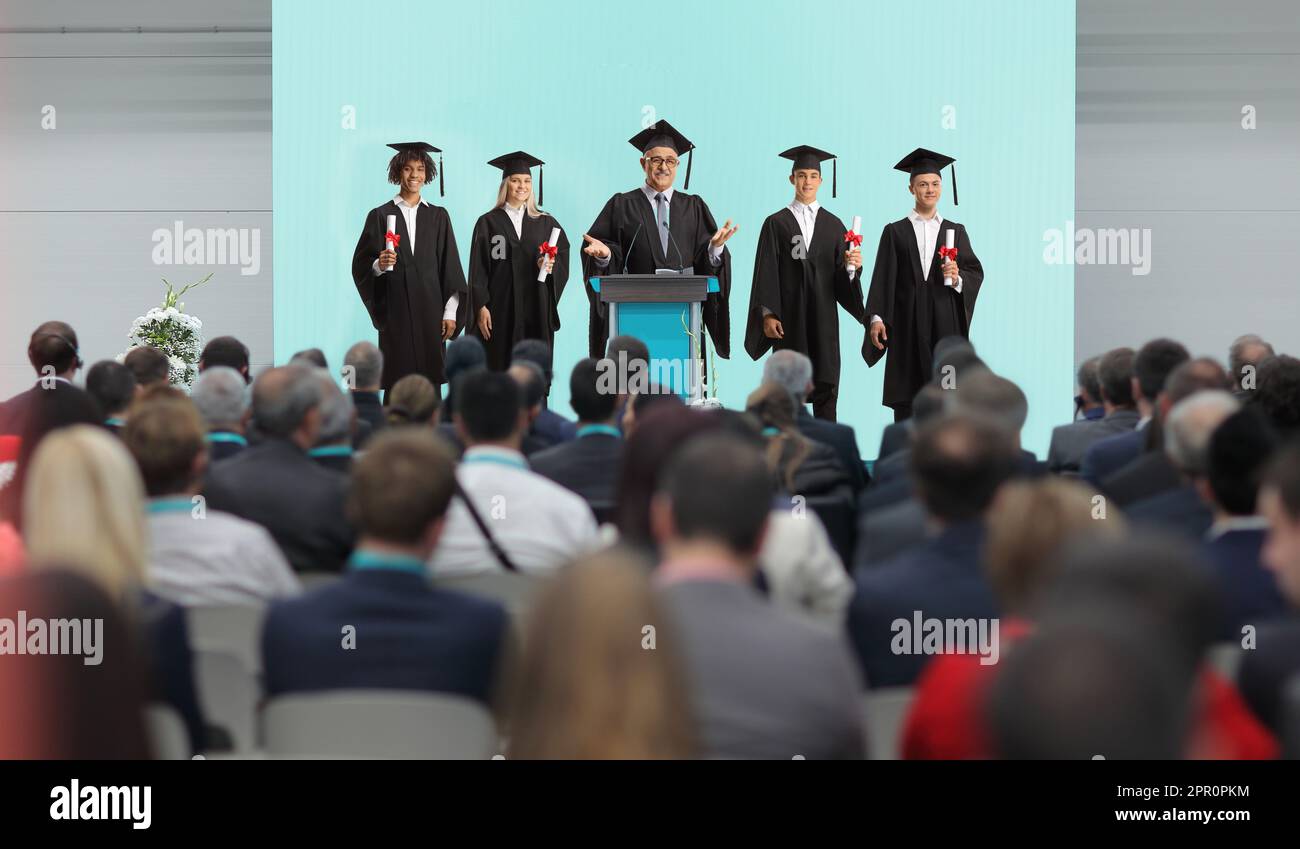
[664, 134]
[922, 161]
[805, 156]
[423, 147]
[520, 163]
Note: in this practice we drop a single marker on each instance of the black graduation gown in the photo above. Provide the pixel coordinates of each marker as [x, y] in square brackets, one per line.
[917, 312]
[802, 291]
[406, 302]
[503, 275]
[627, 227]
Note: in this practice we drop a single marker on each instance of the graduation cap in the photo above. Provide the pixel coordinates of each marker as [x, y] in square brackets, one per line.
[664, 134]
[922, 161]
[805, 156]
[422, 147]
[520, 163]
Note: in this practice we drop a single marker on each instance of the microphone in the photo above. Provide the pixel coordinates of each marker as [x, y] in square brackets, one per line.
[627, 256]
[681, 262]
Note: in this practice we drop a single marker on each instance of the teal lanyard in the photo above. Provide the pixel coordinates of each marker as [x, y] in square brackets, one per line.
[114, 421]
[232, 438]
[362, 559]
[331, 451]
[170, 505]
[608, 430]
[500, 460]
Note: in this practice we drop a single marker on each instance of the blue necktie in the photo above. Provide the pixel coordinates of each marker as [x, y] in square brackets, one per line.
[661, 212]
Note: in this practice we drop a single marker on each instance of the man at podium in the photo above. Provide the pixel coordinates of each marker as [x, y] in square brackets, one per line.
[656, 228]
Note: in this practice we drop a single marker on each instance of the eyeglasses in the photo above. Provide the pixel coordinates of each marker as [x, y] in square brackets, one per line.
[659, 162]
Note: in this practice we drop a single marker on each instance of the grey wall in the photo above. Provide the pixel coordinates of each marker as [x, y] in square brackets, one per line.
[1160, 145]
[150, 129]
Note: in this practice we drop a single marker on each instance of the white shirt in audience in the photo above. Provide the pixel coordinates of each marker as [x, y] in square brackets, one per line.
[213, 558]
[540, 524]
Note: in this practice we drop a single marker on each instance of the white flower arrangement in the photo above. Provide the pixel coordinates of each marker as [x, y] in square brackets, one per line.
[174, 332]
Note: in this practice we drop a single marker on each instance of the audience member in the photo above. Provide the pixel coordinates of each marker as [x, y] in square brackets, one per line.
[585, 690]
[363, 365]
[112, 385]
[228, 352]
[197, 556]
[275, 483]
[792, 371]
[221, 397]
[588, 465]
[508, 516]
[1186, 443]
[1239, 449]
[550, 425]
[1071, 441]
[1275, 658]
[409, 634]
[958, 464]
[803, 700]
[150, 366]
[1151, 368]
[84, 505]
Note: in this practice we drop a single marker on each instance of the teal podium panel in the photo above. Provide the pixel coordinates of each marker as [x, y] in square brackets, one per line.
[663, 311]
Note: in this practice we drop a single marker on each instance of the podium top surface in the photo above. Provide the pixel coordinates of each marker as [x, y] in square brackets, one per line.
[620, 288]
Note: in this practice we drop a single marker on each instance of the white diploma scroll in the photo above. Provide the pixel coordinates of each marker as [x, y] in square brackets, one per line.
[555, 238]
[857, 228]
[950, 241]
[388, 243]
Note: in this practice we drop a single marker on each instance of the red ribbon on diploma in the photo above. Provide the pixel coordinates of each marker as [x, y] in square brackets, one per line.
[393, 239]
[548, 249]
[948, 253]
[854, 239]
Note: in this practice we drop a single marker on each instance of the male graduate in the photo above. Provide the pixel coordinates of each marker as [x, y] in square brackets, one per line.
[920, 292]
[800, 273]
[412, 292]
[656, 227]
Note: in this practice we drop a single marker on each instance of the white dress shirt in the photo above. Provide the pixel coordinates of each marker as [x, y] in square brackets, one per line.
[516, 215]
[540, 524]
[409, 213]
[216, 559]
[927, 242]
[715, 253]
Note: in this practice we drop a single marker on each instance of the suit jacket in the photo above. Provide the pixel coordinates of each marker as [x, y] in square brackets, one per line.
[409, 636]
[223, 450]
[588, 466]
[1247, 590]
[1150, 473]
[555, 428]
[1179, 511]
[893, 485]
[885, 533]
[943, 578]
[1264, 672]
[763, 683]
[841, 438]
[300, 502]
[370, 410]
[1071, 441]
[895, 436]
[1107, 456]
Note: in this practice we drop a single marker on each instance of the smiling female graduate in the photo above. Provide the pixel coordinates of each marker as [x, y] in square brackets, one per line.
[919, 291]
[509, 251]
[800, 274]
[410, 278]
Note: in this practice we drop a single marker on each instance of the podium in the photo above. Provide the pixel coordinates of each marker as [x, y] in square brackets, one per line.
[659, 309]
